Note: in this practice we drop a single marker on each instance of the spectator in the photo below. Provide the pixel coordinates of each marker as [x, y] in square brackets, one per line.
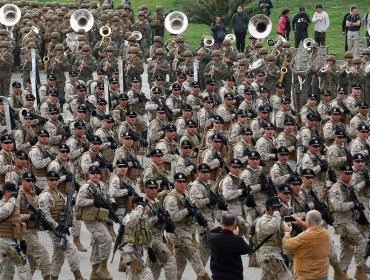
[265, 6]
[284, 24]
[310, 248]
[321, 20]
[219, 32]
[353, 23]
[366, 23]
[239, 22]
[227, 247]
[345, 30]
[300, 24]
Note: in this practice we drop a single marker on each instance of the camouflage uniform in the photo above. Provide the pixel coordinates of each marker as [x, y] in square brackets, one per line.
[184, 249]
[10, 211]
[39, 162]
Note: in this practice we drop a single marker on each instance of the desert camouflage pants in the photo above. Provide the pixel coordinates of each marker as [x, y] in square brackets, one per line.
[102, 241]
[37, 254]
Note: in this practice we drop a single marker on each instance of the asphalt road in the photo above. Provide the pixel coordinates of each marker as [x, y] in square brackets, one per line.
[66, 274]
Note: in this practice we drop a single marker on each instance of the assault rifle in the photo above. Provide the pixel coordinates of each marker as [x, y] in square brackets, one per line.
[267, 185]
[222, 162]
[66, 218]
[322, 208]
[107, 205]
[135, 161]
[194, 211]
[113, 144]
[247, 197]
[358, 210]
[118, 241]
[103, 163]
[221, 203]
[128, 187]
[40, 219]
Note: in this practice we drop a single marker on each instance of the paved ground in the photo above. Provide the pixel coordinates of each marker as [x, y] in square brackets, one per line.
[249, 273]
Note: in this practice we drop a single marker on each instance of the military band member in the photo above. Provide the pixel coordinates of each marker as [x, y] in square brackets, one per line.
[36, 253]
[6, 66]
[59, 64]
[184, 249]
[7, 158]
[109, 61]
[158, 66]
[272, 73]
[95, 222]
[216, 69]
[51, 202]
[329, 77]
[40, 158]
[281, 171]
[10, 239]
[85, 64]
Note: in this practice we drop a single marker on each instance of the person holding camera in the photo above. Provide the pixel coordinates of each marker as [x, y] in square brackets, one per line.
[227, 247]
[310, 248]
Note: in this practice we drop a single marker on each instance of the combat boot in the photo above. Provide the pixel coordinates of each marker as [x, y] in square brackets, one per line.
[339, 274]
[47, 277]
[367, 269]
[122, 265]
[79, 246]
[253, 261]
[360, 273]
[77, 275]
[102, 272]
[111, 232]
[93, 275]
[53, 277]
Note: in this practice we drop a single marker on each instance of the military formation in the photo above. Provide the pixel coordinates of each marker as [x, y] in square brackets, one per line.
[218, 130]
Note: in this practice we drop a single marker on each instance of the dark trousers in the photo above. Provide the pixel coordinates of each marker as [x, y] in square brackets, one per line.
[240, 41]
[298, 37]
[320, 38]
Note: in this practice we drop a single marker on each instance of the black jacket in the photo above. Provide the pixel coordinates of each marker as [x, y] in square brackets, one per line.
[300, 22]
[226, 261]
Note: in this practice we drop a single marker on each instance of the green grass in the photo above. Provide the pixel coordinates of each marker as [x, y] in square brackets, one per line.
[335, 8]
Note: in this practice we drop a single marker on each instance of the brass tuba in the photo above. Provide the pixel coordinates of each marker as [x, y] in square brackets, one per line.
[10, 14]
[230, 37]
[82, 19]
[104, 31]
[137, 34]
[307, 43]
[259, 26]
[176, 22]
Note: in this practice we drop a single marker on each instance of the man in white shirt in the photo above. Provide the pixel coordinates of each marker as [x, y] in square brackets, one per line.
[321, 20]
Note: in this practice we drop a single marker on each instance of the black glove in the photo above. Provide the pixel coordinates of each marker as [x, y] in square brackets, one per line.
[109, 166]
[23, 246]
[68, 177]
[358, 206]
[324, 166]
[52, 156]
[33, 141]
[86, 147]
[263, 179]
[60, 228]
[35, 216]
[114, 205]
[367, 183]
[102, 164]
[251, 202]
[276, 204]
[144, 143]
[246, 190]
[151, 254]
[129, 192]
[190, 209]
[264, 187]
[113, 145]
[212, 199]
[99, 203]
[160, 217]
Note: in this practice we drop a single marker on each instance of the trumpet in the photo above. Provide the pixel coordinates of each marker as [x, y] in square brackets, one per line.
[325, 68]
[350, 69]
[155, 68]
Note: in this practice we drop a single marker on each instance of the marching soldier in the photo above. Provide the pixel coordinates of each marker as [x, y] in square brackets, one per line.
[40, 158]
[158, 66]
[97, 118]
[136, 239]
[361, 118]
[281, 171]
[168, 146]
[119, 188]
[283, 113]
[6, 66]
[191, 135]
[154, 102]
[266, 147]
[269, 254]
[184, 163]
[181, 122]
[337, 153]
[287, 138]
[343, 203]
[26, 135]
[15, 97]
[106, 135]
[55, 129]
[59, 64]
[95, 222]
[212, 157]
[257, 124]
[324, 106]
[137, 101]
[353, 99]
[155, 170]
[242, 147]
[6, 156]
[181, 215]
[230, 88]
[36, 253]
[227, 111]
[13, 247]
[205, 116]
[332, 125]
[85, 64]
[51, 101]
[14, 175]
[78, 142]
[211, 91]
[238, 126]
[174, 100]
[194, 99]
[306, 133]
[70, 87]
[156, 127]
[361, 143]
[119, 113]
[51, 202]
[309, 108]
